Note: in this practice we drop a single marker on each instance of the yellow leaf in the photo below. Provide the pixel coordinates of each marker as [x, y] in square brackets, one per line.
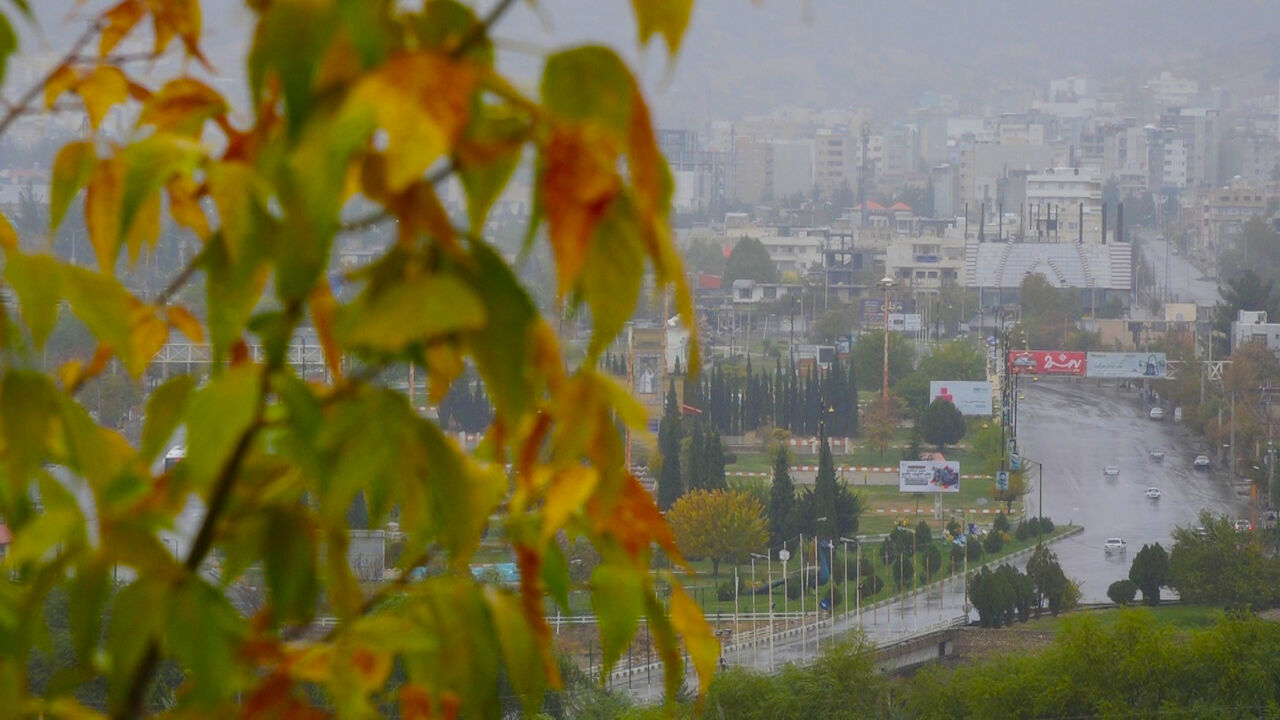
[324, 308]
[668, 18]
[73, 374]
[145, 226]
[704, 648]
[311, 664]
[444, 365]
[62, 80]
[421, 101]
[71, 168]
[234, 187]
[148, 333]
[182, 105]
[102, 211]
[568, 494]
[184, 207]
[104, 87]
[185, 322]
[121, 20]
[579, 181]
[8, 236]
[180, 17]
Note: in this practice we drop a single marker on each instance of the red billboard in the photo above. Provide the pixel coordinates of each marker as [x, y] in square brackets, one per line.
[1046, 362]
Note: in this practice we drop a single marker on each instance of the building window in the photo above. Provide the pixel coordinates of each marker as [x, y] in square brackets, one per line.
[770, 293]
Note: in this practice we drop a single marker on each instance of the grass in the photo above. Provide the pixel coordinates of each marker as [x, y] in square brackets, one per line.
[863, 456]
[1181, 617]
[702, 586]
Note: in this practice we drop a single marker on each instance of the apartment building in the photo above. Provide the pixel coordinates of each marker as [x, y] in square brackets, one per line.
[1217, 215]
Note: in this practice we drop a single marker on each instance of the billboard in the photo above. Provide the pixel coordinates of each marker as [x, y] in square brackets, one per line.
[1046, 362]
[871, 311]
[971, 397]
[1126, 365]
[929, 476]
[904, 322]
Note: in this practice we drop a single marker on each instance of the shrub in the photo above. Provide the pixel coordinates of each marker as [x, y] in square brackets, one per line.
[994, 541]
[1001, 523]
[793, 588]
[974, 548]
[871, 585]
[1023, 531]
[1122, 592]
[724, 591]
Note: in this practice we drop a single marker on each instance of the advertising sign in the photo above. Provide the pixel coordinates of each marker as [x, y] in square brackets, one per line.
[1046, 362]
[929, 476]
[908, 322]
[1126, 365]
[971, 397]
[1002, 480]
[871, 311]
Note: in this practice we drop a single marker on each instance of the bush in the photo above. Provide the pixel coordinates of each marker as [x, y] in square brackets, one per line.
[793, 588]
[994, 541]
[1001, 523]
[724, 591]
[1023, 531]
[1122, 592]
[931, 563]
[957, 557]
[901, 570]
[871, 586]
[953, 527]
[974, 548]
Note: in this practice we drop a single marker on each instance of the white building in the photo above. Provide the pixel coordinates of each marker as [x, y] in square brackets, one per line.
[794, 254]
[1252, 326]
[1172, 91]
[925, 263]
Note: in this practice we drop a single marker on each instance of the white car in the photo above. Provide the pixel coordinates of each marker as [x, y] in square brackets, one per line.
[1153, 493]
[1202, 462]
[1243, 526]
[1157, 454]
[1156, 413]
[1114, 545]
[1111, 471]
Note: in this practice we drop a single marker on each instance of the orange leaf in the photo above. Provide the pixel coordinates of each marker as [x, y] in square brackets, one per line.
[74, 374]
[703, 647]
[568, 493]
[323, 309]
[415, 703]
[184, 207]
[180, 17]
[185, 322]
[183, 104]
[8, 236]
[62, 80]
[104, 87]
[580, 179]
[121, 20]
[635, 521]
[421, 213]
[102, 211]
[371, 668]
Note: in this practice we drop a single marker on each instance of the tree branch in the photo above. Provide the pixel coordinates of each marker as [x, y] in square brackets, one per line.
[17, 108]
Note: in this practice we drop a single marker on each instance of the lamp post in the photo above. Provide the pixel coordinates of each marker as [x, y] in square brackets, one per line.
[857, 575]
[784, 555]
[886, 283]
[769, 560]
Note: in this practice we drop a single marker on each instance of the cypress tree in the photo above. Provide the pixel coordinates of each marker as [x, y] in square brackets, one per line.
[714, 449]
[782, 498]
[826, 494]
[851, 387]
[669, 485]
[696, 478]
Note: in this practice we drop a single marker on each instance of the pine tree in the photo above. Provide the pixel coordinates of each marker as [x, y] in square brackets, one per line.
[780, 418]
[851, 387]
[826, 494]
[714, 450]
[782, 498]
[696, 478]
[670, 487]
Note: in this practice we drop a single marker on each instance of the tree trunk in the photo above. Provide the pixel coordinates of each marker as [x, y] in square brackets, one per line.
[715, 567]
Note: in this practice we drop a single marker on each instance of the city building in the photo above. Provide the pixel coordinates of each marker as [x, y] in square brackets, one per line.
[1252, 327]
[1097, 272]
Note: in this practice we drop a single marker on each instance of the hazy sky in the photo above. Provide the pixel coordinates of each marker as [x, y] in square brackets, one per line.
[743, 57]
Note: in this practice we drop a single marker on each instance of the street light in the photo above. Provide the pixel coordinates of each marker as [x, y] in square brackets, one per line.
[784, 555]
[1040, 492]
[857, 574]
[886, 283]
[768, 559]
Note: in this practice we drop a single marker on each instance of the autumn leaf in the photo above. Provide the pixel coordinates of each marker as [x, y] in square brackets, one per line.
[687, 618]
[176, 17]
[120, 20]
[579, 181]
[71, 169]
[185, 322]
[102, 88]
[668, 18]
[182, 105]
[8, 236]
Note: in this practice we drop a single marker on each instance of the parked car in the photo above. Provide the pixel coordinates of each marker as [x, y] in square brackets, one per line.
[1156, 413]
[1114, 545]
[1157, 454]
[1111, 471]
[1153, 493]
[1202, 462]
[1243, 525]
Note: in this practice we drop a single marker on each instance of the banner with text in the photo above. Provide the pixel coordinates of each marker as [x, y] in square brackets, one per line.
[929, 476]
[971, 397]
[1046, 362]
[1126, 365]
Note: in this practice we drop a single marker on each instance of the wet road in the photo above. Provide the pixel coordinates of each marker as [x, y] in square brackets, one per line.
[1076, 429]
[1185, 282]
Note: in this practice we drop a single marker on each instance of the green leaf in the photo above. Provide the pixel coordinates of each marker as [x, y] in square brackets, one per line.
[115, 316]
[617, 597]
[28, 407]
[486, 158]
[443, 24]
[233, 289]
[164, 410]
[555, 574]
[86, 597]
[520, 650]
[203, 633]
[293, 57]
[60, 526]
[138, 614]
[148, 166]
[503, 349]
[414, 310]
[71, 170]
[8, 43]
[668, 18]
[216, 419]
[613, 274]
[589, 83]
[36, 279]
[290, 563]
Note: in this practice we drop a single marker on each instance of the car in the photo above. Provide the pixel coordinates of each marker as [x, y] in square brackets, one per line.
[1201, 531]
[1157, 454]
[1153, 493]
[1114, 545]
[1156, 413]
[1201, 462]
[1111, 471]
[1243, 525]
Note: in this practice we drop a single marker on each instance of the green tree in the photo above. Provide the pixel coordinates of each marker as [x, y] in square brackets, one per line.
[356, 114]
[942, 424]
[782, 498]
[697, 476]
[826, 492]
[867, 356]
[881, 423]
[714, 447]
[962, 359]
[749, 260]
[718, 525]
[833, 324]
[1048, 313]
[924, 535]
[1122, 592]
[1219, 566]
[670, 482]
[1246, 292]
[1150, 571]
